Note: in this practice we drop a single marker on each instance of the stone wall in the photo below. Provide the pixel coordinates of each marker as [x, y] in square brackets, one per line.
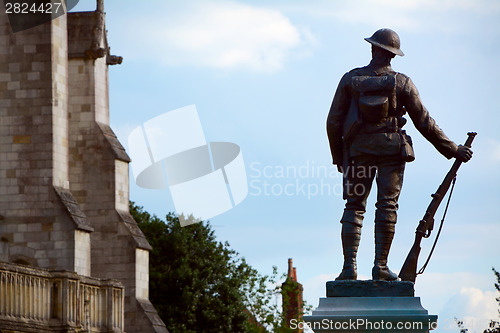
[40, 217]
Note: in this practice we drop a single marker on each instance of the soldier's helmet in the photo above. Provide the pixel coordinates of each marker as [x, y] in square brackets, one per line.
[386, 39]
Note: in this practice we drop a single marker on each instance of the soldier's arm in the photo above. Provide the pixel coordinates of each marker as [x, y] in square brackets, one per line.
[335, 120]
[424, 122]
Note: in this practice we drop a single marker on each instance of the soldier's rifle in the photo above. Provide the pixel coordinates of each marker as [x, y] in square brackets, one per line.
[426, 225]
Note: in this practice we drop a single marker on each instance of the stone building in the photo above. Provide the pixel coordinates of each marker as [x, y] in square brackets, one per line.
[72, 258]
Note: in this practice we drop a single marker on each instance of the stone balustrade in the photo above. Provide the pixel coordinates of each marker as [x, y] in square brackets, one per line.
[39, 300]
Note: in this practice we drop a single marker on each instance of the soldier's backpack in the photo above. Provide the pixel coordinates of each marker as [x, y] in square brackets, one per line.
[374, 99]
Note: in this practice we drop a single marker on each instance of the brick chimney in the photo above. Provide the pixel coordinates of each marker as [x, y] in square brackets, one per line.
[291, 292]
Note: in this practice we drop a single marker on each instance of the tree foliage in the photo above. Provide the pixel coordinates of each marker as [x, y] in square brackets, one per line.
[198, 284]
[494, 324]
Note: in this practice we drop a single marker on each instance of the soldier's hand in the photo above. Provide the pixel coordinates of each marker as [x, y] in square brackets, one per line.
[464, 154]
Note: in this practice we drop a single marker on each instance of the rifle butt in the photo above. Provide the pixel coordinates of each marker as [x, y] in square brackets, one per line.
[409, 270]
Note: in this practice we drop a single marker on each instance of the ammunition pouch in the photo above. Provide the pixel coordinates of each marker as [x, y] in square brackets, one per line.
[407, 153]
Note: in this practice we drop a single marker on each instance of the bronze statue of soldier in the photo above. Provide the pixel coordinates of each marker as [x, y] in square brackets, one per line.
[367, 142]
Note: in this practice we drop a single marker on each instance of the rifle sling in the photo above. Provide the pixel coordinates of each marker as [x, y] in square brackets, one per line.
[440, 227]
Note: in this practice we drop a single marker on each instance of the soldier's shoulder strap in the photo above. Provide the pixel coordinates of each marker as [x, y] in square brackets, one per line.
[366, 83]
[359, 71]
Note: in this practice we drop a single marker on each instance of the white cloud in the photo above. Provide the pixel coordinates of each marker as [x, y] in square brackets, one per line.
[441, 5]
[464, 295]
[221, 34]
[436, 288]
[408, 15]
[476, 308]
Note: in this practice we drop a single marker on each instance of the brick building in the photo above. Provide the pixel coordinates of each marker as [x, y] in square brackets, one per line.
[293, 304]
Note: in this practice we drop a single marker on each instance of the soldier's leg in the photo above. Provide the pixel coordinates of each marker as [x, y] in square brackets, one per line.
[389, 183]
[351, 235]
[384, 233]
[357, 184]
[358, 179]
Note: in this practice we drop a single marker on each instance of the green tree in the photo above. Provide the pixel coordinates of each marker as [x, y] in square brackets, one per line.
[198, 284]
[494, 324]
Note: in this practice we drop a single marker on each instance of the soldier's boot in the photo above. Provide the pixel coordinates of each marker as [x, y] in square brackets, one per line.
[351, 235]
[384, 233]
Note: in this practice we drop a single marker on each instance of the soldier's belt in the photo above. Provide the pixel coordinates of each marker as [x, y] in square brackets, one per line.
[387, 125]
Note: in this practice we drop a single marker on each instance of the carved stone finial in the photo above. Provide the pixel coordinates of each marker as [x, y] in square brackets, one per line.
[114, 60]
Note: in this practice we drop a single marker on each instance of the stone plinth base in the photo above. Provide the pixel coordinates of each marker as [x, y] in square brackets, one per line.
[393, 311]
[369, 288]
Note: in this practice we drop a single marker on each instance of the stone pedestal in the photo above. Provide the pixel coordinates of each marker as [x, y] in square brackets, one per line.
[370, 306]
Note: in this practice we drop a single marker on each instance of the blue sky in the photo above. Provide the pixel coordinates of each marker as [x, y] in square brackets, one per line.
[262, 75]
